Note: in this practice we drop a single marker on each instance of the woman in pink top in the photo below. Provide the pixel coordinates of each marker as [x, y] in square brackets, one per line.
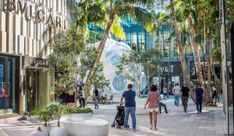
[152, 104]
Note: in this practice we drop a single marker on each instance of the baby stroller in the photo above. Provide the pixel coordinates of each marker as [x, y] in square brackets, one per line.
[119, 118]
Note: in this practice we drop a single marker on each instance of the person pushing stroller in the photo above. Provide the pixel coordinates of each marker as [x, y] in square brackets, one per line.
[129, 106]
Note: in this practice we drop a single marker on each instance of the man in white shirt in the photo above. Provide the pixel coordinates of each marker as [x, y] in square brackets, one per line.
[176, 91]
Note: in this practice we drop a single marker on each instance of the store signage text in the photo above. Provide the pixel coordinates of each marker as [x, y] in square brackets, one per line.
[31, 13]
[40, 62]
[166, 69]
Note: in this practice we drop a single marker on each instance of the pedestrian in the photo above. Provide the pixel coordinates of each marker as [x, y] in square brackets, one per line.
[129, 107]
[82, 98]
[162, 105]
[164, 92]
[176, 92]
[215, 95]
[96, 98]
[152, 103]
[80, 85]
[198, 94]
[184, 97]
[103, 96]
[63, 97]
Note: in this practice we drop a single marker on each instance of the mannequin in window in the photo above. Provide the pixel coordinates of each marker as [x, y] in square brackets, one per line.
[4, 95]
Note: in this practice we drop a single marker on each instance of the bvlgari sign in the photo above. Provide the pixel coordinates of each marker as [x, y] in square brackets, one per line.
[32, 12]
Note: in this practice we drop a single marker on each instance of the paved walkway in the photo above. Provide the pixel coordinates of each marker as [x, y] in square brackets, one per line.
[175, 123]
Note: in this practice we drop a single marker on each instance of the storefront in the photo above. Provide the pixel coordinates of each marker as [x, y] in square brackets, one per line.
[9, 84]
[168, 74]
[27, 29]
[38, 82]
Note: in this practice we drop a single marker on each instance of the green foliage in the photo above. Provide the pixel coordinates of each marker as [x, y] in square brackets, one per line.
[216, 54]
[87, 60]
[64, 59]
[94, 37]
[78, 110]
[57, 108]
[54, 109]
[139, 10]
[117, 29]
[44, 114]
[133, 64]
[86, 63]
[99, 80]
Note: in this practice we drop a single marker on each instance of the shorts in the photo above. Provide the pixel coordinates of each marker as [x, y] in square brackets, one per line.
[153, 109]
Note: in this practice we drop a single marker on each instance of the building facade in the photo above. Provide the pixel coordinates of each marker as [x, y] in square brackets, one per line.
[27, 31]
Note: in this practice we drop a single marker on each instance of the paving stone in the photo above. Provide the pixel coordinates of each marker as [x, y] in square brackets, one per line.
[176, 123]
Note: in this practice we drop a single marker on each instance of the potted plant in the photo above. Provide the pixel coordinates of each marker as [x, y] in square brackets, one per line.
[46, 115]
[57, 109]
[54, 110]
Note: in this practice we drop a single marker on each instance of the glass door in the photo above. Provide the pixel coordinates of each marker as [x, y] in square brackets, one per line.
[32, 83]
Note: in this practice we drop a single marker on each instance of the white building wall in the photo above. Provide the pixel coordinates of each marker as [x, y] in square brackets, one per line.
[21, 36]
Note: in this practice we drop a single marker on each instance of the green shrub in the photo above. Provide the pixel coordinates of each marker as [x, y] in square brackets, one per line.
[43, 113]
[54, 109]
[57, 109]
[77, 110]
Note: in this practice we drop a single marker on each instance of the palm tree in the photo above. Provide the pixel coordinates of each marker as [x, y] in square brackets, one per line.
[205, 12]
[137, 9]
[179, 43]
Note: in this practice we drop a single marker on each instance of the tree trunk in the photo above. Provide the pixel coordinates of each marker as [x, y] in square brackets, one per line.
[183, 65]
[101, 47]
[59, 122]
[180, 49]
[197, 59]
[217, 80]
[209, 76]
[198, 64]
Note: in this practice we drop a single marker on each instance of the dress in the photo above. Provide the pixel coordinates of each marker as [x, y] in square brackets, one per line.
[153, 101]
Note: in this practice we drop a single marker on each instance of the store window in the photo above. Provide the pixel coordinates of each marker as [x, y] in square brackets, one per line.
[141, 38]
[7, 84]
[134, 39]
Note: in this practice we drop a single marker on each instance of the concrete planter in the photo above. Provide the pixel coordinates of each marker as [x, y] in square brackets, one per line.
[84, 125]
[40, 133]
[57, 131]
[50, 131]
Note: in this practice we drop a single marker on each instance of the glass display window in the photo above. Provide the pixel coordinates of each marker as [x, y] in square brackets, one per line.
[7, 83]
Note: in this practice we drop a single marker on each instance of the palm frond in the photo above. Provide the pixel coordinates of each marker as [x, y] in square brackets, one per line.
[117, 30]
[147, 3]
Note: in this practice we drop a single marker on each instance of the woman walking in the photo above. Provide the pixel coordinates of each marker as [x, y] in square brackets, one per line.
[152, 104]
[96, 98]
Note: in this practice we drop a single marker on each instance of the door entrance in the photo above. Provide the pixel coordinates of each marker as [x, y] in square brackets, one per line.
[32, 86]
[39, 87]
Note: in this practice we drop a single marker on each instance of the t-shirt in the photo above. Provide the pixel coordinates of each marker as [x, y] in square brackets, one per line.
[81, 94]
[198, 92]
[185, 91]
[129, 97]
[176, 90]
